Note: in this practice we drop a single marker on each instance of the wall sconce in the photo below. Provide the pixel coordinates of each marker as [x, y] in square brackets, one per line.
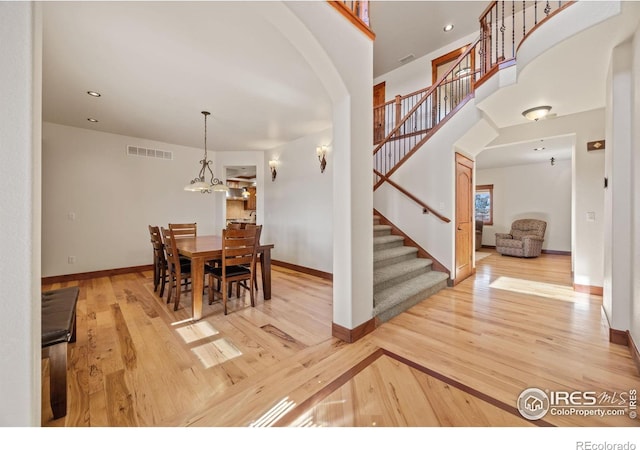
[322, 152]
[553, 161]
[272, 165]
[537, 113]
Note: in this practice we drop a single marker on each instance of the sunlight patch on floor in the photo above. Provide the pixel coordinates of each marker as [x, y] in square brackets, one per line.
[216, 352]
[323, 410]
[180, 322]
[196, 331]
[274, 414]
[481, 255]
[539, 288]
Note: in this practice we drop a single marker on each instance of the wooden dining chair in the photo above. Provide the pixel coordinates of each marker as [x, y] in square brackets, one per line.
[217, 262]
[242, 226]
[181, 230]
[184, 229]
[239, 249]
[179, 270]
[159, 260]
[255, 275]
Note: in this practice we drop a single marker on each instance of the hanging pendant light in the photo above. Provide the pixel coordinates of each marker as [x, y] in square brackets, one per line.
[199, 184]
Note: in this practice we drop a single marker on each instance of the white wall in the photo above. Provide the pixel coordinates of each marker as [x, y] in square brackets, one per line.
[114, 198]
[635, 189]
[429, 175]
[417, 74]
[343, 58]
[617, 197]
[587, 192]
[532, 191]
[20, 342]
[299, 203]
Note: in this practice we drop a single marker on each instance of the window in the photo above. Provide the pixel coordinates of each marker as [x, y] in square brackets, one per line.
[484, 203]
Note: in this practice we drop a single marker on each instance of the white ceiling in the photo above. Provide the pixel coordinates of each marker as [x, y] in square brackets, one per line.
[159, 64]
[241, 172]
[570, 77]
[530, 152]
[415, 28]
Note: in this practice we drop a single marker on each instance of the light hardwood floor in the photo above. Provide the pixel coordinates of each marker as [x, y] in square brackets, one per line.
[460, 358]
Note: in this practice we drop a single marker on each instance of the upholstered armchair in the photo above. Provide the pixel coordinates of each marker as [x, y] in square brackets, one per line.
[524, 240]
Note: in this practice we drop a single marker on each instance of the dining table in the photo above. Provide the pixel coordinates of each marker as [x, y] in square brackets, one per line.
[204, 248]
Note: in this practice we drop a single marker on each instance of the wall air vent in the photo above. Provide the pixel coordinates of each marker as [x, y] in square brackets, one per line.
[148, 152]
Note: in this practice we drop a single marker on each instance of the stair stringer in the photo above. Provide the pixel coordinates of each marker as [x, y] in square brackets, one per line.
[430, 176]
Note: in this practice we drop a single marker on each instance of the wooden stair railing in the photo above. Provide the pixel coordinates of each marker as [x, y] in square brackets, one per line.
[426, 208]
[357, 12]
[427, 111]
[504, 25]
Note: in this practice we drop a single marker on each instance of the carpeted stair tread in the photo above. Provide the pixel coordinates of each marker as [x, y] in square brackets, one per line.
[380, 230]
[392, 301]
[401, 278]
[385, 277]
[393, 255]
[388, 238]
[388, 241]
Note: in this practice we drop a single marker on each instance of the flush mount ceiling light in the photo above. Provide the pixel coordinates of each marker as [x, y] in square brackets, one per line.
[92, 120]
[198, 184]
[536, 113]
[94, 94]
[462, 72]
[448, 27]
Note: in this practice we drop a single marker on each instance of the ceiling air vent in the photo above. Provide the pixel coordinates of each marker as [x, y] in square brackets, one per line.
[406, 59]
[148, 152]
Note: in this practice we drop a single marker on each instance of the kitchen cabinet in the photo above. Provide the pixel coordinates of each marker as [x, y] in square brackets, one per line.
[250, 204]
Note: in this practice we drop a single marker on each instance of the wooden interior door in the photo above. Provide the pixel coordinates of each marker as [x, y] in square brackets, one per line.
[378, 113]
[443, 63]
[464, 217]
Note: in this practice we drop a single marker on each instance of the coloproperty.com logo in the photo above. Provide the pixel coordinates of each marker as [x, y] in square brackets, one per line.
[534, 403]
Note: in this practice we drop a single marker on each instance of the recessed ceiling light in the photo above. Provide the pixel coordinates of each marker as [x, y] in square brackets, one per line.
[94, 93]
[91, 119]
[448, 27]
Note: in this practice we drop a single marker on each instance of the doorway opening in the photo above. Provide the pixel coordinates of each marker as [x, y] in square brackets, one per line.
[241, 204]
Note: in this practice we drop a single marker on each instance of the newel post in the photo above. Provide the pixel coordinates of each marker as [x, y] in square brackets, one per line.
[398, 111]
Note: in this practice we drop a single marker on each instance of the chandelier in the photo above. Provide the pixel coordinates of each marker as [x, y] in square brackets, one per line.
[199, 184]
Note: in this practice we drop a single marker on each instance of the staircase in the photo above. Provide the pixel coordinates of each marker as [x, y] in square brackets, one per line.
[401, 279]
